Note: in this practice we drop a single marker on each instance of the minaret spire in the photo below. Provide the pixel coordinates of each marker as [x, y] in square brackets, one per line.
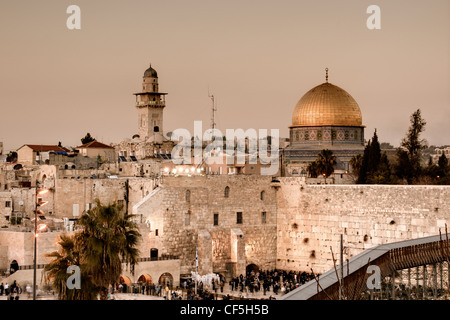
[326, 74]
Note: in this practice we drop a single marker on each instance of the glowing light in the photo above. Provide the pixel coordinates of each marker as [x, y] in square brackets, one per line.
[42, 203]
[187, 170]
[166, 169]
[43, 191]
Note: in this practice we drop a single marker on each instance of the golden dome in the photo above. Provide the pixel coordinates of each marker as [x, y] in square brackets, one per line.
[326, 105]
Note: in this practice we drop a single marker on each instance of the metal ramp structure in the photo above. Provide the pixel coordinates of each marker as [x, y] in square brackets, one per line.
[410, 269]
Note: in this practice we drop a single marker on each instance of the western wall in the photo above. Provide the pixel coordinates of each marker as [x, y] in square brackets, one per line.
[311, 219]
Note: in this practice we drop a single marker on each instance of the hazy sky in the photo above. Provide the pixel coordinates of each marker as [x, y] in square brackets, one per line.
[257, 57]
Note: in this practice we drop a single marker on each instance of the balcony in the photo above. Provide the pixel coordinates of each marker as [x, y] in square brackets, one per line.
[150, 103]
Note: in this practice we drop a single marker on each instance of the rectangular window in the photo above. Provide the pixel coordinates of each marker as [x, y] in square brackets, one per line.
[187, 218]
[8, 204]
[156, 232]
[76, 210]
[239, 217]
[216, 219]
[263, 217]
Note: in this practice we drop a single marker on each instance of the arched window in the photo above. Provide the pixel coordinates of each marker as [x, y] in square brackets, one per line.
[188, 195]
[227, 192]
[262, 195]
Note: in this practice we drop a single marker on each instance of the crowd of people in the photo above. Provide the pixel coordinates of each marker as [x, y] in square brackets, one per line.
[276, 281]
[13, 291]
[270, 283]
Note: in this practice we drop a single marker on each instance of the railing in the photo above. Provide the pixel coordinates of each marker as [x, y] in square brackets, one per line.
[163, 257]
[39, 266]
[150, 103]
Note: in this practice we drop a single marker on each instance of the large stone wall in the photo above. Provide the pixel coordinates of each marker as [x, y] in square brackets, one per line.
[84, 192]
[19, 246]
[311, 219]
[166, 211]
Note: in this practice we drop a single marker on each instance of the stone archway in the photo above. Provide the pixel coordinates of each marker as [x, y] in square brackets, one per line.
[126, 283]
[13, 267]
[252, 267]
[145, 278]
[166, 279]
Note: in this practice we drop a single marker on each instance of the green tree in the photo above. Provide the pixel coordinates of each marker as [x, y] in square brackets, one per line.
[374, 155]
[409, 167]
[356, 163]
[11, 157]
[363, 171]
[375, 167]
[69, 253]
[312, 169]
[107, 239]
[443, 165]
[326, 162]
[383, 173]
[87, 138]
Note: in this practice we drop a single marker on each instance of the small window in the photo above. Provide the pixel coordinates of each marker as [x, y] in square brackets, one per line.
[153, 254]
[238, 217]
[227, 192]
[216, 219]
[188, 195]
[263, 217]
[187, 218]
[8, 204]
[156, 232]
[262, 195]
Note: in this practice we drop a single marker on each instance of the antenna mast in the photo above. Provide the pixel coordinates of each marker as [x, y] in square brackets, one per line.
[214, 109]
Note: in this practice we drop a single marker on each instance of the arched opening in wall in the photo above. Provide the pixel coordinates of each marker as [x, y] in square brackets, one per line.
[227, 192]
[252, 268]
[18, 166]
[156, 129]
[294, 172]
[166, 279]
[188, 195]
[13, 267]
[262, 195]
[126, 283]
[145, 279]
[44, 177]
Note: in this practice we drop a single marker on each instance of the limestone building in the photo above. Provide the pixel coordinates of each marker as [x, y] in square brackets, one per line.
[150, 142]
[326, 117]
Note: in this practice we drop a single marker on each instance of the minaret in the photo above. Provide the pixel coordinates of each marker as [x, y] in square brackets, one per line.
[150, 104]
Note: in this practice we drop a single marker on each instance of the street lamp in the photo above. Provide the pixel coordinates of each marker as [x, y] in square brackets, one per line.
[38, 203]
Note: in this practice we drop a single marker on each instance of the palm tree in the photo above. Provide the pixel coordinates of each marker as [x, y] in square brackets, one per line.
[312, 169]
[326, 162]
[56, 271]
[107, 239]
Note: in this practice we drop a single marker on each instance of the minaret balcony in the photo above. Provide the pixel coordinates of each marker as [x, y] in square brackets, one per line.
[150, 103]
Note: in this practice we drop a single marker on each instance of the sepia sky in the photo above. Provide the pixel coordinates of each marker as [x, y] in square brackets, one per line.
[257, 57]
